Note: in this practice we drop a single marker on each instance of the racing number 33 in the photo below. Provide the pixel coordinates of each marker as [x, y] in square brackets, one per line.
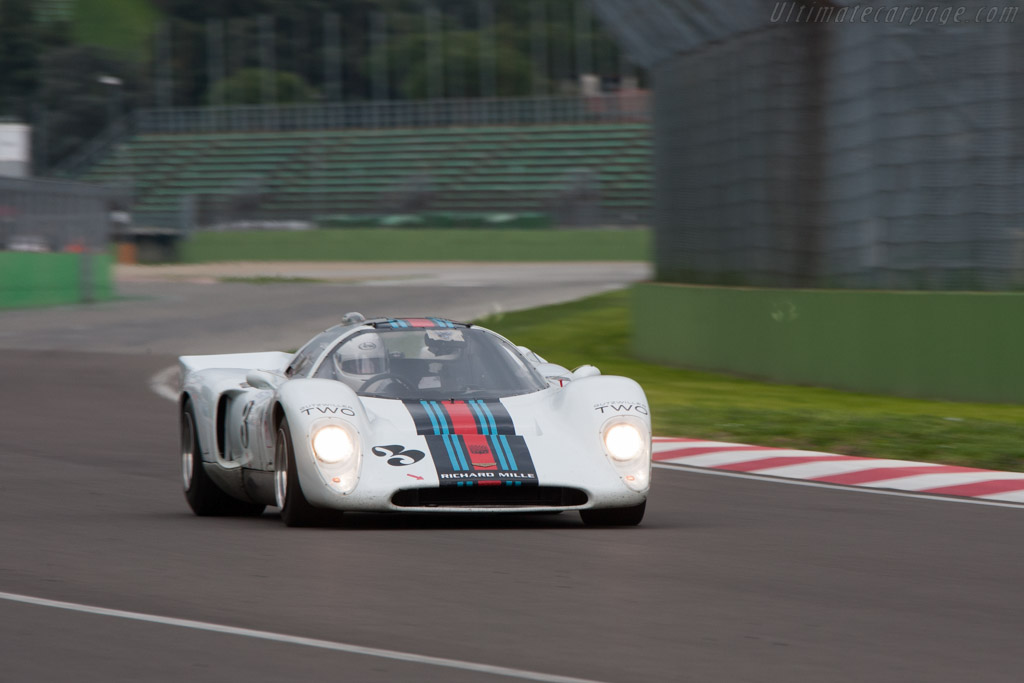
[399, 457]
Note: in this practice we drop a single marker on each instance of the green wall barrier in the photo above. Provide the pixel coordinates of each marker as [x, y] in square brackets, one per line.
[103, 276]
[30, 279]
[961, 346]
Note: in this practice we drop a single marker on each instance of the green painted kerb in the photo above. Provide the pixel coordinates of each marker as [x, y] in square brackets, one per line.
[29, 280]
[947, 345]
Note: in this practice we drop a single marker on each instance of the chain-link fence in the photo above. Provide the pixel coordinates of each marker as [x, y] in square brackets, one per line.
[799, 145]
[50, 215]
[396, 114]
[73, 220]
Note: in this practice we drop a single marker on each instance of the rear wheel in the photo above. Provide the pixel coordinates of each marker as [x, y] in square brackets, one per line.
[629, 516]
[204, 496]
[295, 509]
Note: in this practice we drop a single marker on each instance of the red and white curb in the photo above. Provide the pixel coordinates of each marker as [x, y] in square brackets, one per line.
[846, 470]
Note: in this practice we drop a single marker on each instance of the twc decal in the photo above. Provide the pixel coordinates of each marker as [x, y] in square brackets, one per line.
[473, 442]
[327, 409]
[621, 407]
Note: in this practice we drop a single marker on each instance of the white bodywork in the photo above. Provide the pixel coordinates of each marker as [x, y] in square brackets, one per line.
[239, 399]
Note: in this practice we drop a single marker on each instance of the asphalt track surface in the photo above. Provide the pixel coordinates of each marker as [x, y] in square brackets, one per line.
[727, 579]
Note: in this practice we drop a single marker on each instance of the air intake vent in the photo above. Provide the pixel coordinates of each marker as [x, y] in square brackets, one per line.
[491, 496]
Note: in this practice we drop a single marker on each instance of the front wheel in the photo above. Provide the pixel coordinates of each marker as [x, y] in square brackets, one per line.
[204, 496]
[295, 509]
[629, 516]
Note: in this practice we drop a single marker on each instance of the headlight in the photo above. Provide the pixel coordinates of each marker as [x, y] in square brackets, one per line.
[627, 442]
[333, 444]
[624, 442]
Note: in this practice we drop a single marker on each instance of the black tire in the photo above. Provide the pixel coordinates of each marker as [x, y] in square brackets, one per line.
[295, 509]
[630, 516]
[203, 495]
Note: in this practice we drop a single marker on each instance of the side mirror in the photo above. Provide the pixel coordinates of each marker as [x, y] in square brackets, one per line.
[530, 355]
[585, 371]
[263, 379]
[556, 375]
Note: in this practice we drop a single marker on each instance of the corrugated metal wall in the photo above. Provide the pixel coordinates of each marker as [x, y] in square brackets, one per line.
[833, 154]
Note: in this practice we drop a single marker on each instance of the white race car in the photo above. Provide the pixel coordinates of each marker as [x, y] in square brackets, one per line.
[413, 414]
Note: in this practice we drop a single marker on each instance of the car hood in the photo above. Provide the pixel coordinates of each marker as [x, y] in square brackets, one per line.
[549, 437]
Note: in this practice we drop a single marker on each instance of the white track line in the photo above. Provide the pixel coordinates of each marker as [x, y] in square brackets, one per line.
[1013, 496]
[929, 480]
[296, 640]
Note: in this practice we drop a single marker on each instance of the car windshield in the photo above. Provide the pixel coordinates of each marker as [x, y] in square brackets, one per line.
[430, 364]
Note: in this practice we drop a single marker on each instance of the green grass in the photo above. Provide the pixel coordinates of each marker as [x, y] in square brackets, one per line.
[123, 26]
[724, 408]
[384, 244]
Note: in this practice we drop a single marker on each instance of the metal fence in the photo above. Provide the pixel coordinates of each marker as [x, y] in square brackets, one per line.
[799, 147]
[46, 216]
[396, 114]
[52, 215]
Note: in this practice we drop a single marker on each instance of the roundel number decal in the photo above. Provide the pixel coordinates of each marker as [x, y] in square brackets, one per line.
[397, 455]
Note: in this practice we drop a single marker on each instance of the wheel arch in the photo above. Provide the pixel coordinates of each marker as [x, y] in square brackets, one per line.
[277, 415]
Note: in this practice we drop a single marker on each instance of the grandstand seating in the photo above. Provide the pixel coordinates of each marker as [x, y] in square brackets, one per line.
[306, 174]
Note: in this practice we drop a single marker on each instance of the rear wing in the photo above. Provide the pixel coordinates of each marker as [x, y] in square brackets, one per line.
[274, 361]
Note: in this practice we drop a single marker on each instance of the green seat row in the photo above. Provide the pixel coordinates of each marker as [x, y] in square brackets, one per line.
[342, 171]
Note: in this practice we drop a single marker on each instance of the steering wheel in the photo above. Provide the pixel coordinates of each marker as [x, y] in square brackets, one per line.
[380, 378]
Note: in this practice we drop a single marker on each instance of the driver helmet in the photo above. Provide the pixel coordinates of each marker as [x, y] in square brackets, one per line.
[445, 344]
[360, 358]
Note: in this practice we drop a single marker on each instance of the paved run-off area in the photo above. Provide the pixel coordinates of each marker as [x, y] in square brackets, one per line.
[226, 307]
[728, 578]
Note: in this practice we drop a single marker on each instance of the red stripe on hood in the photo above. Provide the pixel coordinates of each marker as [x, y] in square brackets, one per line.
[479, 453]
[461, 416]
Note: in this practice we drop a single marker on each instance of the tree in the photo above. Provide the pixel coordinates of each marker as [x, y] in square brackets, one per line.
[78, 105]
[461, 66]
[19, 57]
[246, 87]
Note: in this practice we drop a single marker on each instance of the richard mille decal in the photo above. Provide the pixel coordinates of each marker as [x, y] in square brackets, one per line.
[473, 443]
[397, 455]
[488, 477]
[621, 407]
